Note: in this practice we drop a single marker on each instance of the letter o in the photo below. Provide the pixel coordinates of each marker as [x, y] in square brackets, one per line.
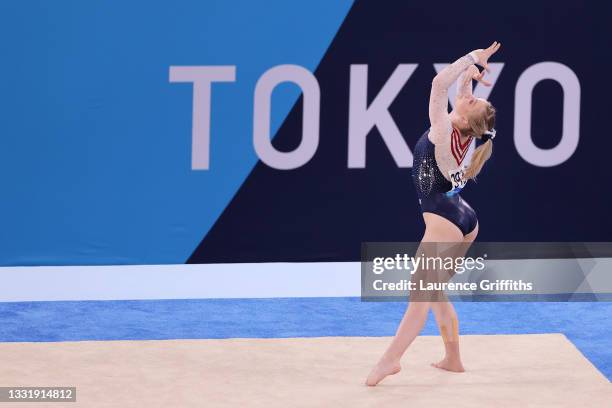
[571, 114]
[310, 121]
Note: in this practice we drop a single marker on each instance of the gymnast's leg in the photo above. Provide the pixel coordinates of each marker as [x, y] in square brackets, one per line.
[437, 229]
[447, 321]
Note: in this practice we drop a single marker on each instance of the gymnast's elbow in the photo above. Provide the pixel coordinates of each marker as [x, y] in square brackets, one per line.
[436, 82]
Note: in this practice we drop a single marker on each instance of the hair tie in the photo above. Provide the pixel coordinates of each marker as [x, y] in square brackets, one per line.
[489, 135]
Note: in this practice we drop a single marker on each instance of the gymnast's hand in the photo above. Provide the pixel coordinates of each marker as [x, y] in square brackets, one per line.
[484, 55]
[474, 74]
[479, 76]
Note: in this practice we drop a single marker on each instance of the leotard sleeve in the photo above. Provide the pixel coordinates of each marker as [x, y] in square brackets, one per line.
[438, 100]
[464, 83]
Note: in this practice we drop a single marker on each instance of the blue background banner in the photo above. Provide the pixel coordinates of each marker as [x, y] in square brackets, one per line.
[96, 141]
[95, 154]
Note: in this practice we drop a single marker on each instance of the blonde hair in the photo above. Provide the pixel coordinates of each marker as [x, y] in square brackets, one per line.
[479, 125]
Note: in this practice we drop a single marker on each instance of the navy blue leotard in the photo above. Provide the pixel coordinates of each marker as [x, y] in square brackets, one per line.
[435, 192]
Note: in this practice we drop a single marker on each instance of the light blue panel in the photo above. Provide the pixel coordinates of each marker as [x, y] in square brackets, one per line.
[95, 142]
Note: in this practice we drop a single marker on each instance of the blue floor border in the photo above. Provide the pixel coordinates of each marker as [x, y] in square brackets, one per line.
[587, 324]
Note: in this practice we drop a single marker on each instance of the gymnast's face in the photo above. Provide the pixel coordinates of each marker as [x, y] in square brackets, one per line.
[471, 108]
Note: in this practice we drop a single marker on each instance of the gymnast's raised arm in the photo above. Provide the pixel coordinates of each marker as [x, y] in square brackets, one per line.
[438, 100]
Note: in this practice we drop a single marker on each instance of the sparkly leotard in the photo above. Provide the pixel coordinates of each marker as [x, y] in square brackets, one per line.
[440, 155]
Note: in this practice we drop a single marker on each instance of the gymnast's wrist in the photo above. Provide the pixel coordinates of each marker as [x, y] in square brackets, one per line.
[474, 57]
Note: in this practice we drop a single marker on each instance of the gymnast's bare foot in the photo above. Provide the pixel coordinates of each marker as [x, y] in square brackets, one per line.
[450, 364]
[384, 368]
